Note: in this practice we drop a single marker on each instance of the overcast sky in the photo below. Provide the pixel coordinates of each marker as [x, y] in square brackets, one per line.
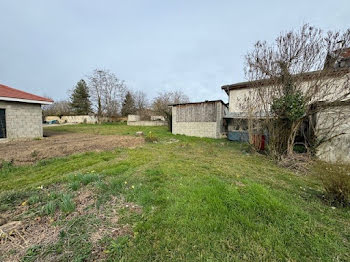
[46, 46]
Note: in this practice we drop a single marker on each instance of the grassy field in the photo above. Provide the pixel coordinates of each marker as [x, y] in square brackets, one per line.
[180, 199]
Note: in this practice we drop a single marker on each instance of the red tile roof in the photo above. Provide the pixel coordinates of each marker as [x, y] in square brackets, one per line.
[10, 92]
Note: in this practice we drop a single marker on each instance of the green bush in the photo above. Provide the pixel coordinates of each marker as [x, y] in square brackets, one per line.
[291, 106]
[336, 182]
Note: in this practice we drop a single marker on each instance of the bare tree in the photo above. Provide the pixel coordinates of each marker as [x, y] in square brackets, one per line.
[107, 92]
[141, 104]
[295, 81]
[161, 103]
[58, 108]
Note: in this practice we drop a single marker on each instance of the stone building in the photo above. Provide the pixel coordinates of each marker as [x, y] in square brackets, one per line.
[20, 113]
[201, 119]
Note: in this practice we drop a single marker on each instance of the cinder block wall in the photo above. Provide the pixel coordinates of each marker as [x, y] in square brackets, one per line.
[22, 120]
[199, 129]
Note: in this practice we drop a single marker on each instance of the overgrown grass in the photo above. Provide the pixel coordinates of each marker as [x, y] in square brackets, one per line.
[202, 200]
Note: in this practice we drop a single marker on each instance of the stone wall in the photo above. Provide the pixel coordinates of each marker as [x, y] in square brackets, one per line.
[23, 120]
[212, 128]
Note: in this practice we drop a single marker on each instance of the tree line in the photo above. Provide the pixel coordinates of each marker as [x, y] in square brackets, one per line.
[105, 95]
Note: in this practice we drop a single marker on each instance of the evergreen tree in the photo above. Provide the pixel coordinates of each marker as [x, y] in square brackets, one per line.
[128, 105]
[80, 99]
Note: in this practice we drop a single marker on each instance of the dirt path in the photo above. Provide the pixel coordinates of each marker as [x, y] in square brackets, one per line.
[58, 144]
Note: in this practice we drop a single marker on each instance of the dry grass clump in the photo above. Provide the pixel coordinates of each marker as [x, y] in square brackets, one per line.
[17, 236]
[299, 163]
[20, 232]
[336, 182]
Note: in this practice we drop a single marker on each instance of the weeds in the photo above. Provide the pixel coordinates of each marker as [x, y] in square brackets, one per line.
[117, 247]
[11, 199]
[49, 208]
[6, 167]
[67, 204]
[34, 154]
[84, 179]
[75, 185]
[151, 138]
[34, 199]
[89, 178]
[336, 182]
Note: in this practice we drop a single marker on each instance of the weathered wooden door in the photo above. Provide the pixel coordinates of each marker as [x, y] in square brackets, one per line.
[2, 124]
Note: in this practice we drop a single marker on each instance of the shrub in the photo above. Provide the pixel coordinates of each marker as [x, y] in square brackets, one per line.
[336, 182]
[150, 137]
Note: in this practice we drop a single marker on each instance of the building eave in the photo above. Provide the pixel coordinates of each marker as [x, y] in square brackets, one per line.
[305, 76]
[28, 101]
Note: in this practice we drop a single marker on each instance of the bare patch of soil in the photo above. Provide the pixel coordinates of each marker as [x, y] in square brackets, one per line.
[62, 144]
[17, 235]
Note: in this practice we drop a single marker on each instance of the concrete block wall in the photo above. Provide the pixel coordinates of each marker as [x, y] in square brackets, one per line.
[147, 123]
[132, 118]
[87, 119]
[135, 120]
[23, 120]
[200, 129]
